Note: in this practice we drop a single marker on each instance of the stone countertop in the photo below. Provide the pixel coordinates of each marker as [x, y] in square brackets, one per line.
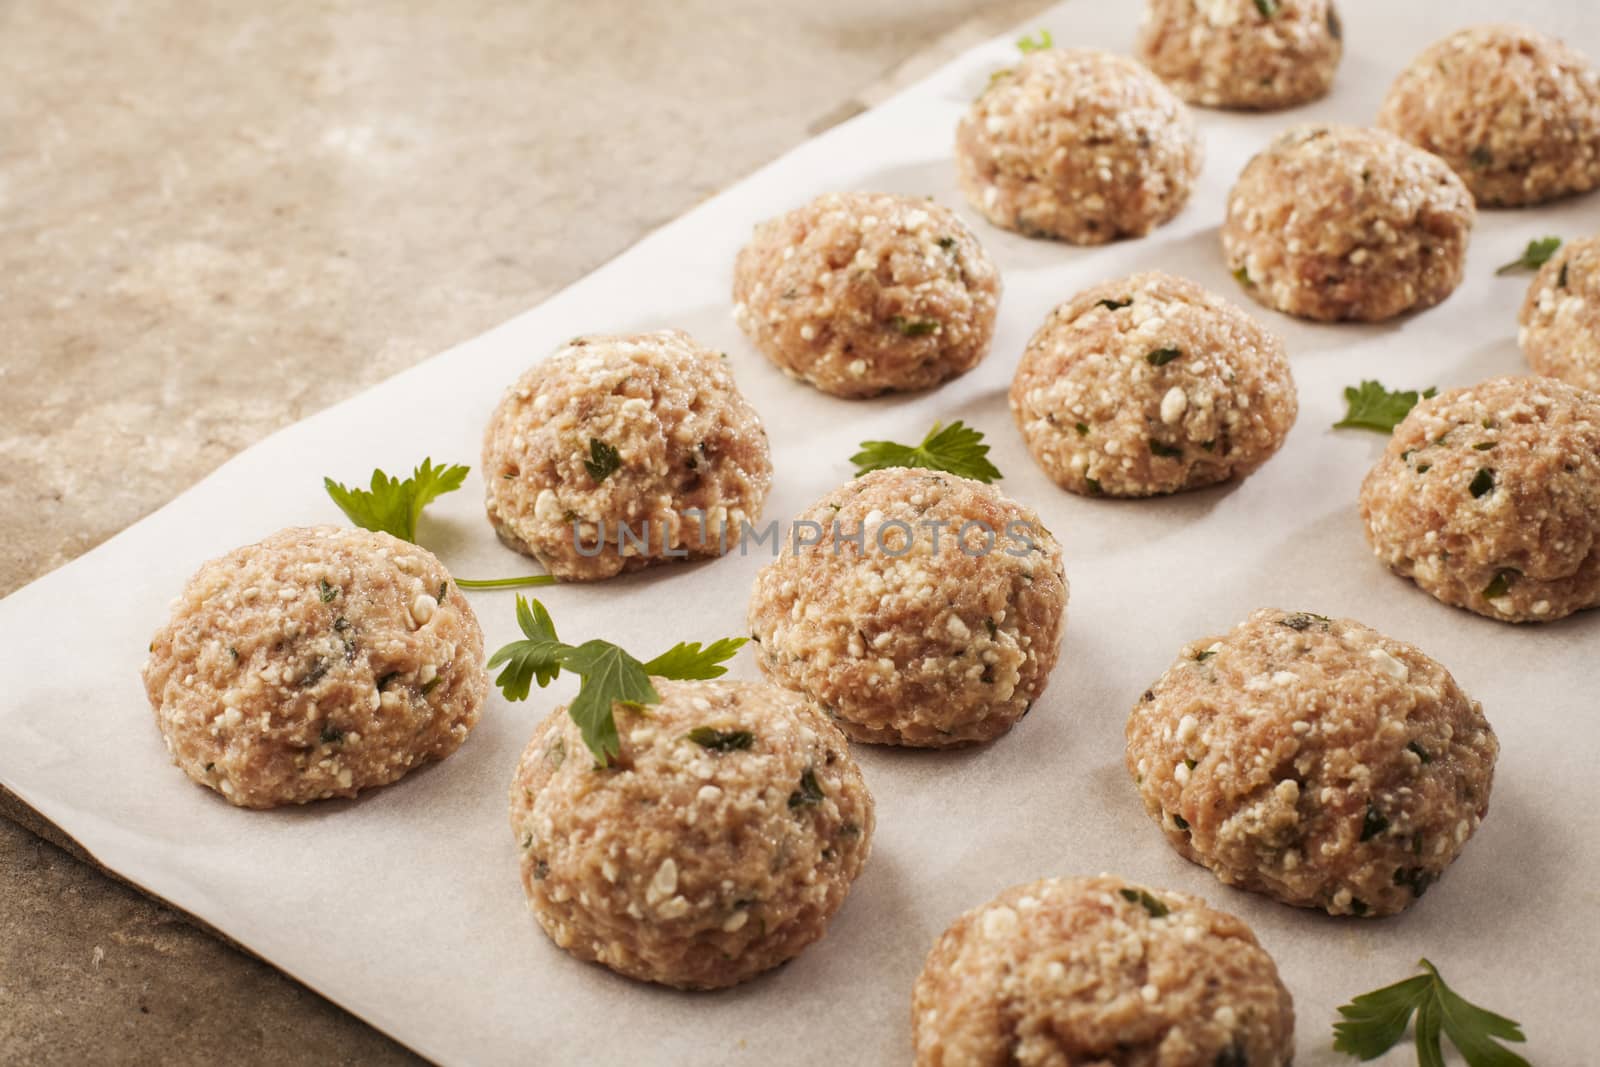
[218, 221]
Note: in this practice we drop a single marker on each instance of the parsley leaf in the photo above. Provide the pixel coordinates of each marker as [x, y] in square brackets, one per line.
[1146, 900]
[915, 327]
[1268, 8]
[603, 461]
[1372, 407]
[610, 675]
[956, 448]
[688, 661]
[1036, 43]
[1375, 1022]
[1536, 255]
[721, 740]
[392, 506]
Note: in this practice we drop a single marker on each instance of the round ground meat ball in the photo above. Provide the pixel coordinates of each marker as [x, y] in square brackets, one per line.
[1516, 113]
[1335, 222]
[1314, 760]
[315, 664]
[1560, 319]
[1150, 384]
[915, 607]
[621, 452]
[867, 293]
[1078, 145]
[1100, 971]
[1489, 499]
[716, 846]
[1242, 53]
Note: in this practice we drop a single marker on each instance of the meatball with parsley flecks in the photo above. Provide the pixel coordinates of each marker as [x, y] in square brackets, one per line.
[1100, 971]
[715, 845]
[317, 663]
[1338, 223]
[1560, 321]
[916, 607]
[1150, 384]
[1247, 54]
[1488, 498]
[1078, 145]
[1515, 112]
[866, 293]
[620, 452]
[1314, 760]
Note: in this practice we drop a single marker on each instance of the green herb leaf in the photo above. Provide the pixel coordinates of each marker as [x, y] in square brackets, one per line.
[1536, 255]
[392, 506]
[1114, 305]
[1268, 8]
[1037, 43]
[1372, 407]
[1159, 448]
[1500, 584]
[956, 448]
[1375, 1022]
[688, 661]
[1242, 276]
[1373, 823]
[1561, 279]
[809, 794]
[1162, 356]
[610, 675]
[325, 591]
[915, 327]
[1147, 901]
[721, 740]
[603, 460]
[1482, 483]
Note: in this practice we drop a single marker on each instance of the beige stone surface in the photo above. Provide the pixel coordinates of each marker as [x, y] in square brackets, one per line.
[216, 219]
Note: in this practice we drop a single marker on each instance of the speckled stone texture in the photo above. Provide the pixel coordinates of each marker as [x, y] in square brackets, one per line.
[192, 258]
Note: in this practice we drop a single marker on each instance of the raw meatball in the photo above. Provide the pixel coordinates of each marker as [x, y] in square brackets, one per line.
[1079, 145]
[938, 628]
[1314, 760]
[1560, 332]
[1243, 53]
[1098, 971]
[317, 663]
[1489, 498]
[1149, 385]
[716, 846]
[620, 452]
[1336, 222]
[1516, 113]
[866, 293]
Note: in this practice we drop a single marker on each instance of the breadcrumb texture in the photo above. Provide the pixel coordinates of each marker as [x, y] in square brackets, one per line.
[1489, 499]
[692, 461]
[867, 293]
[317, 663]
[1231, 54]
[1337, 222]
[693, 866]
[1560, 334]
[1099, 972]
[1150, 384]
[1515, 112]
[1314, 760]
[1079, 145]
[922, 635]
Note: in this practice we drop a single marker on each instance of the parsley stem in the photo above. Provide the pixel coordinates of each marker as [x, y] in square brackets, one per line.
[507, 583]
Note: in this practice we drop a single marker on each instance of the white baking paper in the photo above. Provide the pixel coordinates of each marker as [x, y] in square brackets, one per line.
[405, 906]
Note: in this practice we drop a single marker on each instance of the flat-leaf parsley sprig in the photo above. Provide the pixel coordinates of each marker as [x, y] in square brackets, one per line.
[610, 675]
[1536, 255]
[956, 448]
[1372, 407]
[393, 505]
[1375, 1022]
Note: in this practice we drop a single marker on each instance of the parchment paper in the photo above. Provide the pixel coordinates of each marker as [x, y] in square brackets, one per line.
[405, 906]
